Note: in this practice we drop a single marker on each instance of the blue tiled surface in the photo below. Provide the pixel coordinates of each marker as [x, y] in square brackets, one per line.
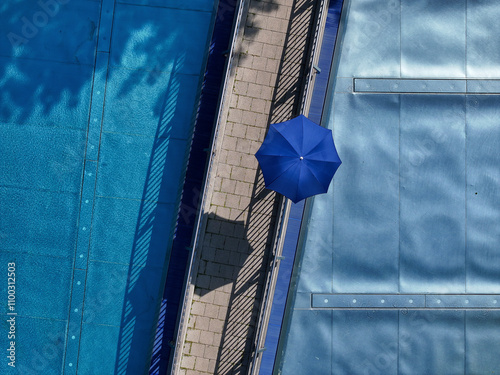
[114, 235]
[98, 354]
[45, 34]
[43, 93]
[203, 5]
[128, 164]
[39, 346]
[25, 226]
[145, 102]
[165, 31]
[59, 171]
[32, 281]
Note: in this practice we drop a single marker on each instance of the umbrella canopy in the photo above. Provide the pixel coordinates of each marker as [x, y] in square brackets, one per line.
[298, 158]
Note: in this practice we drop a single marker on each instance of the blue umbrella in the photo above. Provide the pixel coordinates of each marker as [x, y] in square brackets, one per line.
[298, 158]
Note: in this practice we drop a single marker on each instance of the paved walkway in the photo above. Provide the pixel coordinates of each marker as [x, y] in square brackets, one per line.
[234, 253]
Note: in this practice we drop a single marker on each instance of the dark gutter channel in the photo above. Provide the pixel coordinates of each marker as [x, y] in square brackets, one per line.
[180, 256]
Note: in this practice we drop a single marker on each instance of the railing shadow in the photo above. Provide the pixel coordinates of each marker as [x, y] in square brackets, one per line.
[237, 346]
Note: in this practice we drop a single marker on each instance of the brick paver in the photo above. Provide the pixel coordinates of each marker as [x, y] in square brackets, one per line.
[235, 247]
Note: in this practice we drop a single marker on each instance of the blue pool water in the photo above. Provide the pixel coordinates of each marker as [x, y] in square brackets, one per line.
[397, 272]
[97, 105]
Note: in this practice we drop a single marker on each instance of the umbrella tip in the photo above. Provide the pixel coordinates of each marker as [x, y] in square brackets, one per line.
[301, 158]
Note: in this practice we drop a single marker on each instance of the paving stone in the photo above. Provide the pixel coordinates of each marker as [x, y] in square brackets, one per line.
[259, 63]
[243, 146]
[249, 117]
[240, 129]
[233, 201]
[271, 66]
[255, 49]
[197, 350]
[241, 87]
[228, 186]
[201, 364]
[212, 311]
[202, 322]
[244, 103]
[211, 352]
[229, 143]
[207, 338]
[233, 158]
[224, 212]
[258, 105]
[224, 170]
[198, 308]
[235, 114]
[245, 61]
[188, 362]
[216, 325]
[193, 335]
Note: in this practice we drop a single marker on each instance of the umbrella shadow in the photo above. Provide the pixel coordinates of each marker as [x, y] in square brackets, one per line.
[234, 262]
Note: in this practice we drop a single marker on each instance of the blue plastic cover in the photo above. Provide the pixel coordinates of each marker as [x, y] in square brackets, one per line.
[413, 212]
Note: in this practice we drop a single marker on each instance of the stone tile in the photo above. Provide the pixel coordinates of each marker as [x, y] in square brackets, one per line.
[207, 338]
[193, 335]
[245, 61]
[211, 352]
[271, 66]
[246, 74]
[188, 362]
[238, 173]
[228, 186]
[202, 322]
[239, 130]
[202, 364]
[216, 325]
[242, 189]
[223, 170]
[211, 366]
[244, 103]
[249, 117]
[254, 90]
[233, 201]
[229, 143]
[243, 146]
[254, 146]
[197, 350]
[233, 158]
[262, 121]
[219, 199]
[217, 183]
[259, 63]
[203, 281]
[224, 212]
[240, 88]
[267, 93]
[258, 105]
[212, 311]
[249, 162]
[207, 297]
[263, 78]
[255, 48]
[235, 114]
[198, 308]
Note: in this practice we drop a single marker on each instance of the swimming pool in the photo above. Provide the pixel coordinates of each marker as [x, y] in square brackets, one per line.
[98, 102]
